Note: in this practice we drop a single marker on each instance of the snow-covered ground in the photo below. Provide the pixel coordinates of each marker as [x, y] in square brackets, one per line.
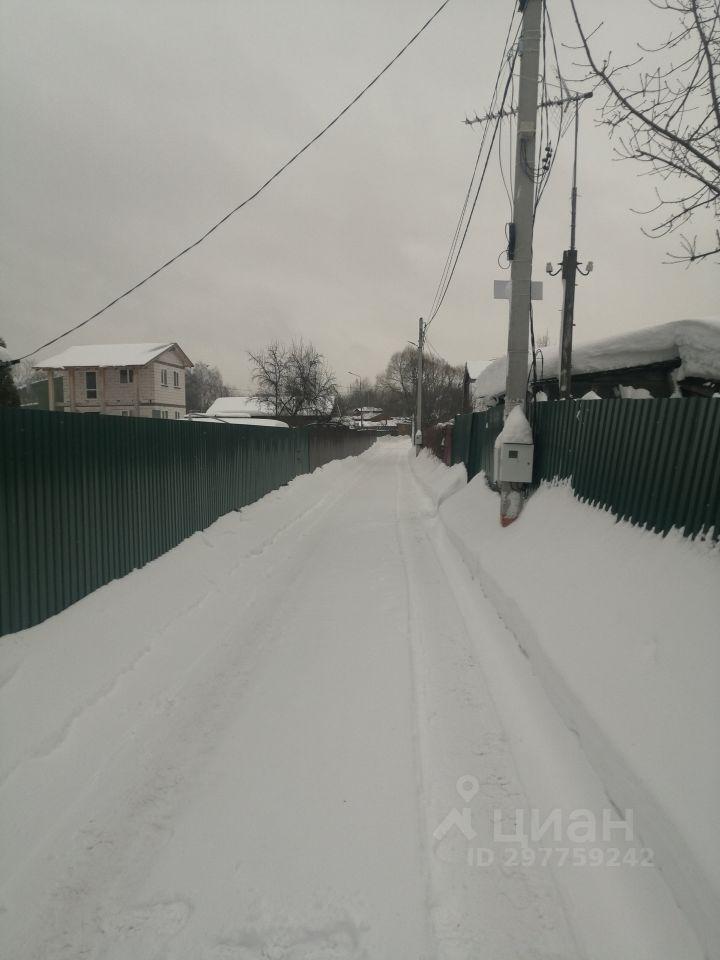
[622, 626]
[287, 738]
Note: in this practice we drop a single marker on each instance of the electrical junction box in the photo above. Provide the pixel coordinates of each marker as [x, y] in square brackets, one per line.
[513, 462]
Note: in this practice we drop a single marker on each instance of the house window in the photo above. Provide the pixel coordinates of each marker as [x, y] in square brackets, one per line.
[124, 413]
[127, 376]
[176, 378]
[177, 415]
[163, 377]
[157, 414]
[90, 385]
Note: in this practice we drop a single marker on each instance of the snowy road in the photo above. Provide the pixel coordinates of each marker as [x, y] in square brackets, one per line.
[244, 750]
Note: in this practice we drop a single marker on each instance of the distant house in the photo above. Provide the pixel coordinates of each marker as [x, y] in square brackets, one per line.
[677, 359]
[121, 379]
[473, 369]
[367, 416]
[229, 408]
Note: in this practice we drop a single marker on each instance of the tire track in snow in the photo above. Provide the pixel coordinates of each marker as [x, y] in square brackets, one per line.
[492, 912]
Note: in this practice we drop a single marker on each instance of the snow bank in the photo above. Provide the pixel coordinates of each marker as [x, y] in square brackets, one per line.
[622, 627]
[54, 675]
[695, 342]
[438, 480]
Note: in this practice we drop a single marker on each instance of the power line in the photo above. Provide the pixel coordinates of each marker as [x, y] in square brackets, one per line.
[451, 273]
[448, 260]
[252, 196]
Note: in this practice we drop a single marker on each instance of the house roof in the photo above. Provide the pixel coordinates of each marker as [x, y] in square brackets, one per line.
[475, 367]
[696, 343]
[239, 407]
[238, 421]
[252, 407]
[110, 355]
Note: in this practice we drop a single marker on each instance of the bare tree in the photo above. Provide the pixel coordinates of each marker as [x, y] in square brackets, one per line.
[294, 379]
[442, 386]
[442, 389]
[270, 374]
[665, 113]
[361, 394]
[398, 383]
[203, 385]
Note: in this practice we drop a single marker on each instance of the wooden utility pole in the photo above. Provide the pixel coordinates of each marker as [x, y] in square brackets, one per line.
[569, 272]
[569, 269]
[523, 210]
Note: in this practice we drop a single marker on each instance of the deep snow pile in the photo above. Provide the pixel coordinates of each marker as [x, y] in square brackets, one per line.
[622, 627]
[695, 342]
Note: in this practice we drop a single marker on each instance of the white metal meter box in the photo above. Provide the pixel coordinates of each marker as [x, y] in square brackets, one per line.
[513, 462]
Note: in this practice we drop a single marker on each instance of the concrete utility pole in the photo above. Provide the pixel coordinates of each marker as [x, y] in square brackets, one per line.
[523, 203]
[417, 438]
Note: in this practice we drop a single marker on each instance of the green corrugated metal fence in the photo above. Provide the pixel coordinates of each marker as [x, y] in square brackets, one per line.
[653, 462]
[87, 498]
[477, 433]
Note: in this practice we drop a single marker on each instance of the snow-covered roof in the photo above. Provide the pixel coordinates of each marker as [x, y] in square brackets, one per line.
[110, 355]
[239, 407]
[476, 367]
[250, 407]
[239, 421]
[696, 343]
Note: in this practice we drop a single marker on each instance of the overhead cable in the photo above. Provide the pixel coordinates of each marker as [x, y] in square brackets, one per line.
[247, 200]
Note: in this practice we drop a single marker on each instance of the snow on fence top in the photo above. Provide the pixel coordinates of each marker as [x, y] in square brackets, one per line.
[696, 343]
[109, 355]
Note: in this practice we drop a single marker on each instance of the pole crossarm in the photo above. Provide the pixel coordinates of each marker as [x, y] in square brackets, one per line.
[501, 114]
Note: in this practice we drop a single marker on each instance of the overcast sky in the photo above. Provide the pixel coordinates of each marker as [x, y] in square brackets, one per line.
[129, 128]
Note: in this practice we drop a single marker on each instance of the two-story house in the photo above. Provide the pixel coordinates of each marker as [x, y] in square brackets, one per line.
[122, 379]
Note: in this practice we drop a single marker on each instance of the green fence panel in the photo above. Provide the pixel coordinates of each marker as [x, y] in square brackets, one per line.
[473, 440]
[462, 427]
[85, 499]
[653, 462]
[486, 427]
